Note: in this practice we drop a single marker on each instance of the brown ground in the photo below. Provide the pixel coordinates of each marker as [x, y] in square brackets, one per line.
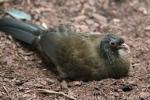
[22, 72]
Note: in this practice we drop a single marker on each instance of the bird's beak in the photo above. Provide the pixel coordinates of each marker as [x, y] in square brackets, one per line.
[125, 47]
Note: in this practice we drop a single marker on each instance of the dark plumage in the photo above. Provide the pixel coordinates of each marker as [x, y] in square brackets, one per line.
[76, 55]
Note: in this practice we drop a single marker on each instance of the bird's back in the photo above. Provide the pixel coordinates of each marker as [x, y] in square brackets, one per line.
[76, 55]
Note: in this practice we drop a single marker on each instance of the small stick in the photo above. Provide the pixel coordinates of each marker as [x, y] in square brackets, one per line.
[54, 92]
[6, 90]
[28, 2]
[1, 1]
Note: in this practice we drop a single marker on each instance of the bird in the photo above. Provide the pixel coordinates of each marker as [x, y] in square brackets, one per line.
[76, 55]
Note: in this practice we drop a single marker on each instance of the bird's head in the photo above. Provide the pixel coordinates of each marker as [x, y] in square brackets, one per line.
[112, 46]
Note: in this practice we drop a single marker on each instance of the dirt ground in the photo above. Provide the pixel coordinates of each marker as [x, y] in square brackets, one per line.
[23, 73]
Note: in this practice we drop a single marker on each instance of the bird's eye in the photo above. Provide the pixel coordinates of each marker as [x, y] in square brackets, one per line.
[121, 41]
[112, 43]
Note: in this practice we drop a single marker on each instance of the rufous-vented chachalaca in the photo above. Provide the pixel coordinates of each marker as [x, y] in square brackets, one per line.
[79, 56]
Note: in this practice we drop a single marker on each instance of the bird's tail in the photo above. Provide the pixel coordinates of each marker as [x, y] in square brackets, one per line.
[20, 30]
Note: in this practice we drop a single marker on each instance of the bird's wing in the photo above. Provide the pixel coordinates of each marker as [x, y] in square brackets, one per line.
[51, 40]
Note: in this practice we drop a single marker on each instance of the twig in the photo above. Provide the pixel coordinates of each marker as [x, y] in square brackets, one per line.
[28, 2]
[6, 90]
[38, 10]
[58, 93]
[1, 1]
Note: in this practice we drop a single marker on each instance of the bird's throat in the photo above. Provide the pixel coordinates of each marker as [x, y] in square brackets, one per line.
[108, 55]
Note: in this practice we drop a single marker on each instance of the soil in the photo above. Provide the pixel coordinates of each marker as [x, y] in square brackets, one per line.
[23, 73]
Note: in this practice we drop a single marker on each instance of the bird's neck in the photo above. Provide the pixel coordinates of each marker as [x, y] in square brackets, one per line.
[108, 55]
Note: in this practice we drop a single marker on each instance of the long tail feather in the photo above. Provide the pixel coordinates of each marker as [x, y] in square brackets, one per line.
[19, 30]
